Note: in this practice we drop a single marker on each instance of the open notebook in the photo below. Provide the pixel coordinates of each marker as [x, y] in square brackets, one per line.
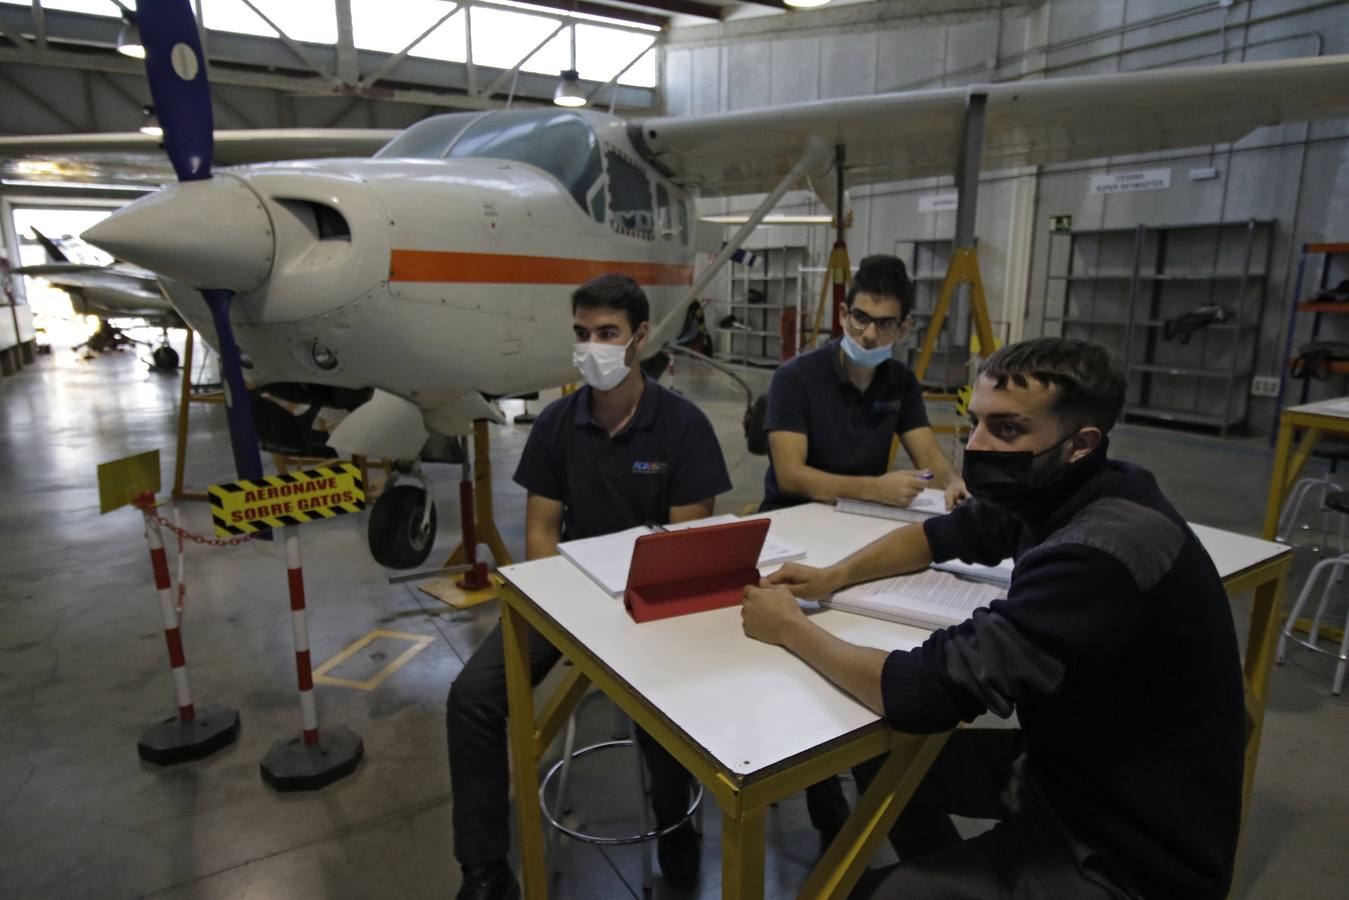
[926, 599]
[606, 559]
[931, 502]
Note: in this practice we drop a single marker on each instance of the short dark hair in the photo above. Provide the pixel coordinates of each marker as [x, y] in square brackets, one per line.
[1090, 382]
[883, 276]
[613, 291]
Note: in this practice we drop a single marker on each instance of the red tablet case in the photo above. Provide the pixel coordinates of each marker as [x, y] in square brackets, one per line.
[678, 572]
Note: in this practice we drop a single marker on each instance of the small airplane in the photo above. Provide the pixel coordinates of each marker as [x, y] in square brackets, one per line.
[416, 287]
[113, 291]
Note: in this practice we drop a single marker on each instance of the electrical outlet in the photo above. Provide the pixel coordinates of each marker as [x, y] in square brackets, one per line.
[1264, 386]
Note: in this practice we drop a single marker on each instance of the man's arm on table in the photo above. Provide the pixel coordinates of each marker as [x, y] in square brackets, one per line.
[543, 526]
[771, 613]
[789, 449]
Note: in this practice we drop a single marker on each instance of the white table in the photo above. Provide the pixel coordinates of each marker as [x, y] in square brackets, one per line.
[751, 721]
[1324, 416]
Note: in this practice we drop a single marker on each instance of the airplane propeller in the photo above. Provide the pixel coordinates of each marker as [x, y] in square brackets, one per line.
[182, 98]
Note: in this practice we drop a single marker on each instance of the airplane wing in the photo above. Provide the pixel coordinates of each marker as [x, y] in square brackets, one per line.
[916, 134]
[232, 147]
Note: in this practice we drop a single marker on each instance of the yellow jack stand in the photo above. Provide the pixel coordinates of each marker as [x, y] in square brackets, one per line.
[477, 586]
[963, 269]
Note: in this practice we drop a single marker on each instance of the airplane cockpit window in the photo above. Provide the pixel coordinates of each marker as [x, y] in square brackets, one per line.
[664, 215]
[629, 197]
[428, 139]
[561, 143]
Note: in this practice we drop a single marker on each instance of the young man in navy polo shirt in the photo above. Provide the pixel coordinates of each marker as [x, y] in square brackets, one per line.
[832, 412]
[620, 452]
[1114, 646]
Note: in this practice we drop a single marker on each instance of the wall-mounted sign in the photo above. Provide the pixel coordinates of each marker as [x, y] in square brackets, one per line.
[1127, 182]
[937, 203]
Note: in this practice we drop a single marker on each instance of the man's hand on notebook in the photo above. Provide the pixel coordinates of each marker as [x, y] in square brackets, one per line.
[771, 614]
[898, 488]
[806, 582]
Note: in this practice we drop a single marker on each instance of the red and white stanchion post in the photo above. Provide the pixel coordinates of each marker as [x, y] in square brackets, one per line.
[192, 733]
[307, 762]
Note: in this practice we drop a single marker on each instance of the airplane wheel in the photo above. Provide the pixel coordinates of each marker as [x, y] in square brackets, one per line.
[165, 357]
[397, 539]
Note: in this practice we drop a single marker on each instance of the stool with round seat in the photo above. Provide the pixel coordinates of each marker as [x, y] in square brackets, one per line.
[1307, 488]
[1338, 502]
[624, 736]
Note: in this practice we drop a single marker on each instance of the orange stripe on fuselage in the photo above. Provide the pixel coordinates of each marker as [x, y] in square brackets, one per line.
[501, 268]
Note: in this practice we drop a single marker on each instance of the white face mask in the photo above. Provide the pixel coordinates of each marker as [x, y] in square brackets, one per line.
[602, 366]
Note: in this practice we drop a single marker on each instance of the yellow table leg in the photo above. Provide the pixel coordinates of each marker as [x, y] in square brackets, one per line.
[842, 865]
[742, 855]
[1276, 480]
[524, 762]
[1266, 615]
[1300, 457]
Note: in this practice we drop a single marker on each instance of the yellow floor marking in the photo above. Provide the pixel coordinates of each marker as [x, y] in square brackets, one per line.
[419, 643]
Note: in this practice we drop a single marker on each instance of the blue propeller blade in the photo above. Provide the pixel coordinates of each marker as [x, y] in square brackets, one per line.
[175, 66]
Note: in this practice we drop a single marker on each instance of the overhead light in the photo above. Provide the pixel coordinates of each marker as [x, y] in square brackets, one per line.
[806, 4]
[151, 124]
[569, 91]
[129, 38]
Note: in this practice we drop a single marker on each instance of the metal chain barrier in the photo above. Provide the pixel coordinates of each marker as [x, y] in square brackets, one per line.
[148, 506]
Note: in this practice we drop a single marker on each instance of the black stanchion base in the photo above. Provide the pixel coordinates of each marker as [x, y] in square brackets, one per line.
[174, 741]
[292, 765]
[526, 418]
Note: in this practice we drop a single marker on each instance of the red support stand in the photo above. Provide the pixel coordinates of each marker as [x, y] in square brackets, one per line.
[192, 733]
[307, 763]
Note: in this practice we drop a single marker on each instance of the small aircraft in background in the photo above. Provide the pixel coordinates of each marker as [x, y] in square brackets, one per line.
[113, 291]
[416, 287]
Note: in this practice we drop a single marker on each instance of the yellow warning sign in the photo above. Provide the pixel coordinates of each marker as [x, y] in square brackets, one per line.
[243, 507]
[123, 480]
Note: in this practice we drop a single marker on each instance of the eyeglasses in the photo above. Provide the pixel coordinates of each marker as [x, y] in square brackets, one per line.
[886, 327]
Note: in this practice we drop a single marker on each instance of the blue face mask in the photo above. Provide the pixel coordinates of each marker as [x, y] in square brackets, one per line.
[867, 359]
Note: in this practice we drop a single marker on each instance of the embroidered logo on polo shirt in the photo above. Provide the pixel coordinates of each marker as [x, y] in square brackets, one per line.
[887, 405]
[654, 467]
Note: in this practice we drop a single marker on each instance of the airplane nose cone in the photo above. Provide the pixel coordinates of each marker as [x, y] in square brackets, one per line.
[213, 233]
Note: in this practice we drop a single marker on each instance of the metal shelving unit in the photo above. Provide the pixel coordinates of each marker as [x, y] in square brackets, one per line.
[759, 295]
[1120, 286]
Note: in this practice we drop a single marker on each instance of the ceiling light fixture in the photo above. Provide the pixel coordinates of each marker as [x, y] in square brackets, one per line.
[151, 124]
[129, 38]
[806, 4]
[569, 91]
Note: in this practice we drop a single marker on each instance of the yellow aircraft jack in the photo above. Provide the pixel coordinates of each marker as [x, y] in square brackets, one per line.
[476, 585]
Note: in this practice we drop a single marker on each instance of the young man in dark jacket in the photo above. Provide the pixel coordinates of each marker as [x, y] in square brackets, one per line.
[1114, 645]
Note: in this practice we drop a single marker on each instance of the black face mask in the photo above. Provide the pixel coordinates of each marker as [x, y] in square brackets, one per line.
[1008, 479]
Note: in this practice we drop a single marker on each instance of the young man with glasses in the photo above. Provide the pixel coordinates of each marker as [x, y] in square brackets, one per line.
[832, 412]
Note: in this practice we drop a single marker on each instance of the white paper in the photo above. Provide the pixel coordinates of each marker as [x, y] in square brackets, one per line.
[929, 598]
[606, 559]
[930, 502]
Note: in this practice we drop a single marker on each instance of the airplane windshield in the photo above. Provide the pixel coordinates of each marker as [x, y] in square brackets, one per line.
[561, 143]
[428, 139]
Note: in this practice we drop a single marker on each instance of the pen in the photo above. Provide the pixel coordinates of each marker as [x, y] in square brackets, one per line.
[655, 526]
[925, 476]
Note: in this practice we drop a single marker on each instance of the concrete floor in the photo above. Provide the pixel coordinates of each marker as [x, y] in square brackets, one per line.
[84, 670]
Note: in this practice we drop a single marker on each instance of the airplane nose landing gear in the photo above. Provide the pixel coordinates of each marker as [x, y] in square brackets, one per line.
[403, 523]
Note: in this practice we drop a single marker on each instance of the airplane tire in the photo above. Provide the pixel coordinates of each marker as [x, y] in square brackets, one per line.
[165, 357]
[397, 540]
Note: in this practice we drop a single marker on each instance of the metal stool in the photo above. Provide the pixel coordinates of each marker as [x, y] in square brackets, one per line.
[1340, 503]
[561, 770]
[1306, 488]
